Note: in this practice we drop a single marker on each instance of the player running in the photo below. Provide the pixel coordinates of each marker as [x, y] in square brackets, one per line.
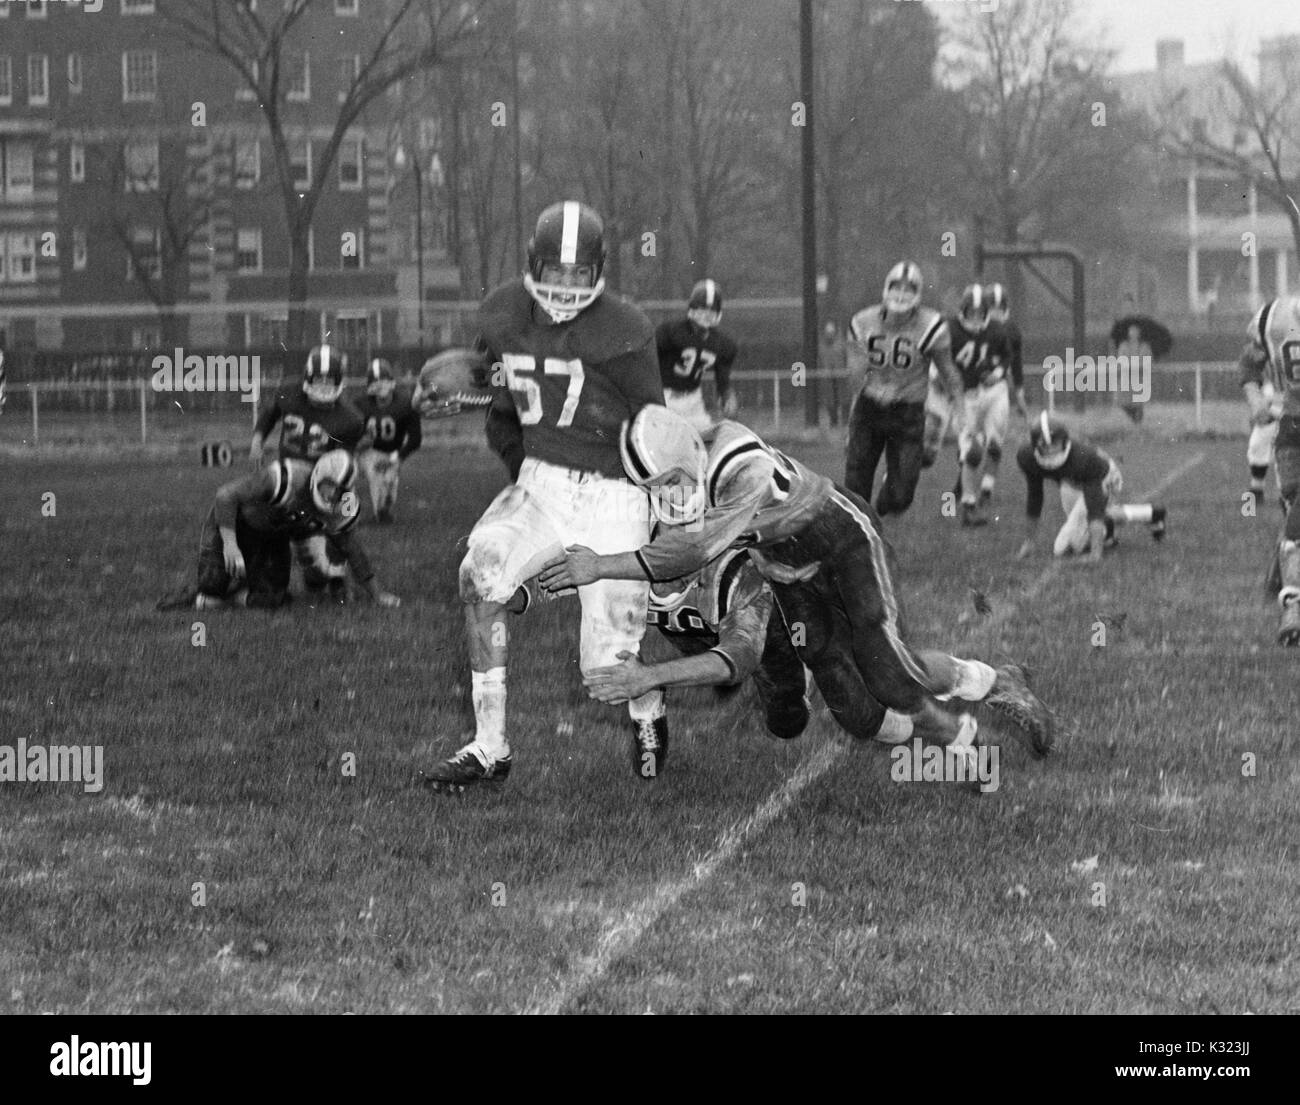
[1272, 356]
[575, 364]
[1090, 482]
[393, 428]
[829, 563]
[890, 348]
[244, 550]
[687, 348]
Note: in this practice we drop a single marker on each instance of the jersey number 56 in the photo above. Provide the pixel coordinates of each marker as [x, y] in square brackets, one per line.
[880, 352]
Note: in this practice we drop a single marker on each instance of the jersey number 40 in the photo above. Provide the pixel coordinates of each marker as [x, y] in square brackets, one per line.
[524, 384]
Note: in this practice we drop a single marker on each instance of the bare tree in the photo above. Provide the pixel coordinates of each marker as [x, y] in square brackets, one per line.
[262, 47]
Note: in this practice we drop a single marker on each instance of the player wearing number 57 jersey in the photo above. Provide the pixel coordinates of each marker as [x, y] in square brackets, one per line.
[889, 350]
[1273, 356]
[572, 365]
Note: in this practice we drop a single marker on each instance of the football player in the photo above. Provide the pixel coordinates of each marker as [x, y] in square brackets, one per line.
[1273, 356]
[889, 349]
[244, 550]
[314, 418]
[1263, 435]
[828, 562]
[1090, 482]
[393, 429]
[724, 623]
[687, 347]
[575, 363]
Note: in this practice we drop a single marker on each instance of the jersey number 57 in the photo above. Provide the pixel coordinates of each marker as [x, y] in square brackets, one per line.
[521, 379]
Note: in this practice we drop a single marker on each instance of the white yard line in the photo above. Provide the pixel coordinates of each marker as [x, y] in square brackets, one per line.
[621, 935]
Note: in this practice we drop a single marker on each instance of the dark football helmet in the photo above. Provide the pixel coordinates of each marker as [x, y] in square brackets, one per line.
[380, 381]
[1051, 442]
[903, 286]
[974, 310]
[999, 305]
[323, 379]
[566, 260]
[705, 305]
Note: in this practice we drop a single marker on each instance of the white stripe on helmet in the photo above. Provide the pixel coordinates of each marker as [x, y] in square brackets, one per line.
[569, 235]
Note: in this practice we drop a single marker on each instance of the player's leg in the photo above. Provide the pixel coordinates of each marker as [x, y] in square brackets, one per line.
[1287, 458]
[612, 516]
[1259, 455]
[1072, 537]
[995, 411]
[370, 461]
[391, 479]
[324, 568]
[781, 681]
[970, 456]
[269, 563]
[903, 459]
[867, 436]
[938, 413]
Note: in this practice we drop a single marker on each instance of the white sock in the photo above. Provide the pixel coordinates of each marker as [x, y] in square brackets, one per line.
[974, 680]
[965, 737]
[987, 483]
[489, 693]
[895, 729]
[1140, 512]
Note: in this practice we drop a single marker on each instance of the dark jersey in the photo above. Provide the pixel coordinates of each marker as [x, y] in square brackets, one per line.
[569, 387]
[393, 426]
[1086, 467]
[687, 350]
[1016, 342]
[310, 431]
[981, 357]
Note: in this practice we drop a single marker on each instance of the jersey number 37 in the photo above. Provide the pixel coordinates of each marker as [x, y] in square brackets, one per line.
[525, 385]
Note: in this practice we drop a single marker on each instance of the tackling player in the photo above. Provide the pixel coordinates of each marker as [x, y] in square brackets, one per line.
[830, 567]
[574, 364]
[1273, 356]
[1089, 481]
[244, 550]
[687, 347]
[393, 428]
[890, 347]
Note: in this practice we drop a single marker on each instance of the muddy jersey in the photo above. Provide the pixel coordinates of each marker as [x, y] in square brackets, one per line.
[724, 608]
[394, 427]
[568, 387]
[983, 357]
[687, 351]
[1086, 467]
[892, 354]
[1273, 352]
[310, 430]
[754, 496]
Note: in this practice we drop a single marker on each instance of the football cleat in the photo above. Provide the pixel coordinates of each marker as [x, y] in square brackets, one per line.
[464, 770]
[1110, 541]
[1012, 697]
[971, 516]
[1158, 522]
[1288, 630]
[649, 746]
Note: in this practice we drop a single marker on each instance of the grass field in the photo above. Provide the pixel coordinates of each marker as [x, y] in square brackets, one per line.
[578, 887]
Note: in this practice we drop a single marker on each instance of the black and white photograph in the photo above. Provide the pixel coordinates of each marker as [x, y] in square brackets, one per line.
[636, 507]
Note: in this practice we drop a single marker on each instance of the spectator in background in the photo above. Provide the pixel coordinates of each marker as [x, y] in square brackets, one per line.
[833, 363]
[1133, 345]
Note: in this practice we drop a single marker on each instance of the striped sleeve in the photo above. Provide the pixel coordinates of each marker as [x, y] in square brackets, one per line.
[936, 336]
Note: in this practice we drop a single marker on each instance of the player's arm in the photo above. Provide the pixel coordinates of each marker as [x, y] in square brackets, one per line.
[939, 351]
[636, 374]
[1254, 360]
[412, 436]
[722, 374]
[505, 434]
[1017, 345]
[1033, 500]
[1094, 498]
[266, 421]
[261, 486]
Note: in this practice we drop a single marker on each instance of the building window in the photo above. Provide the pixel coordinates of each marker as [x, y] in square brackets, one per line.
[38, 79]
[146, 337]
[345, 7]
[139, 76]
[349, 71]
[6, 76]
[144, 258]
[137, 7]
[79, 250]
[299, 76]
[248, 162]
[17, 169]
[300, 163]
[22, 259]
[77, 163]
[248, 250]
[74, 74]
[352, 154]
[354, 249]
[140, 166]
[244, 92]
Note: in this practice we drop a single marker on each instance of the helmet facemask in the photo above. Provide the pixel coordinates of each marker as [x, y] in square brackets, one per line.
[902, 289]
[564, 291]
[663, 455]
[704, 318]
[677, 497]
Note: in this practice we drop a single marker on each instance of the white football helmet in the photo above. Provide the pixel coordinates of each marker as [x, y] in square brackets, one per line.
[663, 454]
[903, 288]
[333, 476]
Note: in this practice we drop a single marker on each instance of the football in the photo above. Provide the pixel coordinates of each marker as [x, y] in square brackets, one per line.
[453, 382]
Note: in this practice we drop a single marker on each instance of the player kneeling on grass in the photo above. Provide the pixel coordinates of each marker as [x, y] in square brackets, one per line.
[245, 551]
[824, 554]
[393, 426]
[1090, 482]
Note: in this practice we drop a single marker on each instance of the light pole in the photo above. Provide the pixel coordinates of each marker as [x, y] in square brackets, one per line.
[400, 160]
